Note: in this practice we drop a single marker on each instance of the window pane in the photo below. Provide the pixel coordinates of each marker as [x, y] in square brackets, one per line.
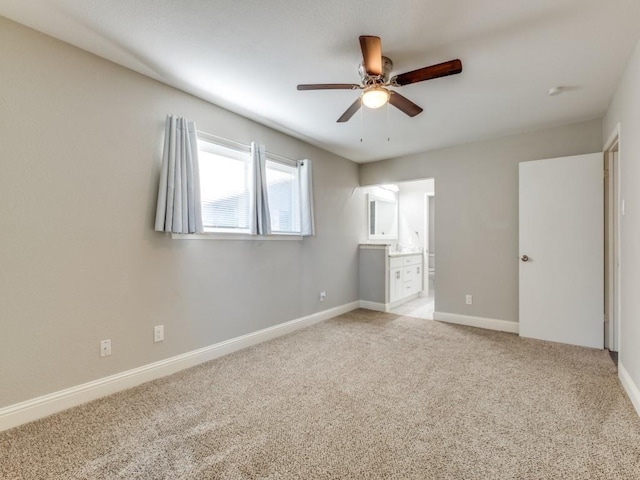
[283, 190]
[224, 184]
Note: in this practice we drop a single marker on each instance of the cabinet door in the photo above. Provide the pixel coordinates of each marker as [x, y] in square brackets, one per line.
[395, 284]
[418, 278]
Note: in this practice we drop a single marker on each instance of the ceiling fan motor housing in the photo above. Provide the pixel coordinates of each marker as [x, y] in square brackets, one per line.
[368, 80]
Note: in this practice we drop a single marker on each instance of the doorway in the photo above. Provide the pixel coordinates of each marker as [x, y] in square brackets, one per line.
[429, 243]
[612, 210]
[416, 233]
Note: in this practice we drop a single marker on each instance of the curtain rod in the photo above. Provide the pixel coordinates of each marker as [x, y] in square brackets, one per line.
[243, 146]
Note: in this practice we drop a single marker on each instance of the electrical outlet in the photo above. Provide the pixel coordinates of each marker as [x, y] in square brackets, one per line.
[469, 299]
[105, 348]
[158, 333]
[323, 296]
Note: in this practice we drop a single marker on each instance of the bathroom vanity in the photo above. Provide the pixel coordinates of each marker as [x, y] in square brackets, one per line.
[388, 278]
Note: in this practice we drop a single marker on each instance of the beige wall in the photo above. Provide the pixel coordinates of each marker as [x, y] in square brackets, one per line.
[625, 110]
[476, 212]
[81, 144]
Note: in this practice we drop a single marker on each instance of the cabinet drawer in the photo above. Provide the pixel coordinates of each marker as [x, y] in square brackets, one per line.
[409, 273]
[409, 288]
[396, 262]
[412, 260]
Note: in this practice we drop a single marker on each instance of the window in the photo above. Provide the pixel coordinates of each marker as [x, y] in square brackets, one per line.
[283, 192]
[226, 185]
[225, 182]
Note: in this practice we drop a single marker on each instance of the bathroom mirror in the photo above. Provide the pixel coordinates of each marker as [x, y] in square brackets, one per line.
[383, 218]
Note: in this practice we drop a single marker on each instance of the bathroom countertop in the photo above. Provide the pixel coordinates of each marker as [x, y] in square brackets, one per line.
[403, 254]
[392, 253]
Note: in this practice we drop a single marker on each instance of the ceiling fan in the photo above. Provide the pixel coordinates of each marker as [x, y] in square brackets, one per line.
[374, 72]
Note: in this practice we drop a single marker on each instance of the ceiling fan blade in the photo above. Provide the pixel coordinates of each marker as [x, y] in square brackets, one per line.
[404, 104]
[329, 86]
[451, 67]
[355, 106]
[371, 54]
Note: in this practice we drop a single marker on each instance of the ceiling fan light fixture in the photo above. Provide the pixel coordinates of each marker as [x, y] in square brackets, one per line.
[375, 97]
[375, 71]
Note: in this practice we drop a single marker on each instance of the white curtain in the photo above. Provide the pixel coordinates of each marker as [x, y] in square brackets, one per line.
[179, 209]
[306, 198]
[260, 217]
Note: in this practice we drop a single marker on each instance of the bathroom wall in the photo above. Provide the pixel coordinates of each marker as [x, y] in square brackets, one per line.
[411, 211]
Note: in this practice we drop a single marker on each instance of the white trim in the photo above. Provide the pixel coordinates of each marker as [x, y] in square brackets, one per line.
[614, 138]
[228, 143]
[613, 231]
[378, 307]
[46, 405]
[387, 307]
[480, 322]
[614, 141]
[234, 236]
[629, 386]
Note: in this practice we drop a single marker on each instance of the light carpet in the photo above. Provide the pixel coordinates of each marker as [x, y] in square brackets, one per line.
[365, 395]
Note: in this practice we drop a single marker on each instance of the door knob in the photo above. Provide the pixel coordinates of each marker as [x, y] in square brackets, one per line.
[524, 258]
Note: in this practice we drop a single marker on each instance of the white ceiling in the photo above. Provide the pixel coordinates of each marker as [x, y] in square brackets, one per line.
[248, 56]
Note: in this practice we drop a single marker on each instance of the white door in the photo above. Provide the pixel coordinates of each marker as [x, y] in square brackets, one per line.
[561, 239]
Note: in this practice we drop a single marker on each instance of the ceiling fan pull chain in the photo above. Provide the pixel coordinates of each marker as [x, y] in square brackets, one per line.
[361, 122]
[388, 136]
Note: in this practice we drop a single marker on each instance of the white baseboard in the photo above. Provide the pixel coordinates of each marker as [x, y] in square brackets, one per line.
[46, 405]
[387, 307]
[630, 387]
[378, 307]
[480, 322]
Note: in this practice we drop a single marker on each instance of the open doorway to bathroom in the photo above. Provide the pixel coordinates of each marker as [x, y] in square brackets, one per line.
[416, 231]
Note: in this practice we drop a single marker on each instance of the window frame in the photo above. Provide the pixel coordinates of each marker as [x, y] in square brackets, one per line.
[212, 233]
[289, 163]
[237, 153]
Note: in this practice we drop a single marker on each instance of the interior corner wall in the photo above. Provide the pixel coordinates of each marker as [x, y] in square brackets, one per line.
[625, 110]
[476, 212]
[81, 143]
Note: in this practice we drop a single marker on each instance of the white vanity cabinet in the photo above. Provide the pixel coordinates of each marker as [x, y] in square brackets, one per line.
[405, 276]
[388, 279]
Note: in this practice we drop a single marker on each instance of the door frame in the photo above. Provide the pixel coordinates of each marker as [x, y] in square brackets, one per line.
[426, 248]
[613, 260]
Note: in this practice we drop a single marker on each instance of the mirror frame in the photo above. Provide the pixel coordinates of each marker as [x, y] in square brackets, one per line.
[375, 198]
